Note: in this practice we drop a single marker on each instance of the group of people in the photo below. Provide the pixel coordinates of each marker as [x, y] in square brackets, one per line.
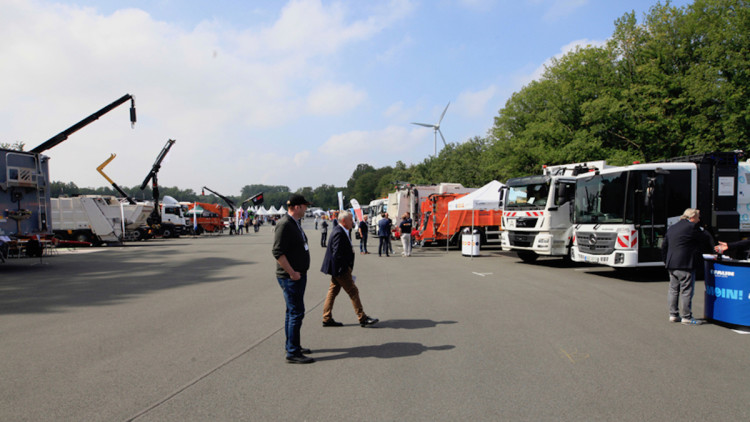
[292, 254]
[683, 245]
[385, 226]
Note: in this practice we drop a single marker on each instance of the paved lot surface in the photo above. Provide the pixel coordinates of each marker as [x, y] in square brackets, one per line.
[190, 329]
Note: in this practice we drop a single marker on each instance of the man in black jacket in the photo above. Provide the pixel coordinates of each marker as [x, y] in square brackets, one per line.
[681, 249]
[292, 254]
[338, 263]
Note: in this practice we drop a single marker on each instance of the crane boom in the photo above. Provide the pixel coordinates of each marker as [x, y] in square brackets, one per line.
[100, 169]
[229, 202]
[60, 137]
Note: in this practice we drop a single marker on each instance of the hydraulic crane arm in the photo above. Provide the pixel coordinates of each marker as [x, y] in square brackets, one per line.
[157, 164]
[60, 137]
[229, 202]
[152, 176]
[100, 169]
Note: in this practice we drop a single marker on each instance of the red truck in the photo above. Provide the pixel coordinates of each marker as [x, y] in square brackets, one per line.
[437, 226]
[210, 217]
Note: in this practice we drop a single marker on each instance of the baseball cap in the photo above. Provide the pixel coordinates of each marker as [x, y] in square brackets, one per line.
[297, 199]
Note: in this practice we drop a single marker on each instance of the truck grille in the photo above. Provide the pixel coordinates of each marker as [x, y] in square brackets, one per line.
[526, 222]
[523, 239]
[596, 243]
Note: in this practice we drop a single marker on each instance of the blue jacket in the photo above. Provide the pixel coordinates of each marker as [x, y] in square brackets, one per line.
[384, 227]
[339, 253]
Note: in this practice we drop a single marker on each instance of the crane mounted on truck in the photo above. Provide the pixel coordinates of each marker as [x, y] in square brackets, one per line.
[24, 183]
[538, 211]
[171, 227]
[622, 214]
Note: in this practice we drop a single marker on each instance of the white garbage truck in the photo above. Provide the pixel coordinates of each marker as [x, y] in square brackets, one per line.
[99, 219]
[538, 211]
[622, 214]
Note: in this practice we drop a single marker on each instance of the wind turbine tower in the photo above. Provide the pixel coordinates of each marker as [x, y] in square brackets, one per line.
[436, 128]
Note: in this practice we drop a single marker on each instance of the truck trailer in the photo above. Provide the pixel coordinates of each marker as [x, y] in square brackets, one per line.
[622, 214]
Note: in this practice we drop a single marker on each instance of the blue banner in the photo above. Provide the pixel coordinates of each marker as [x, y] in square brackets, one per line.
[728, 293]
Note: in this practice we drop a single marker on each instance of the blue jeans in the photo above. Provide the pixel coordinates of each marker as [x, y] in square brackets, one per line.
[363, 244]
[294, 295]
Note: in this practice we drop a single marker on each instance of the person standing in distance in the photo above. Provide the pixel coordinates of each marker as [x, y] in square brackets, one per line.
[681, 249]
[384, 231]
[363, 233]
[323, 233]
[292, 254]
[338, 263]
[405, 228]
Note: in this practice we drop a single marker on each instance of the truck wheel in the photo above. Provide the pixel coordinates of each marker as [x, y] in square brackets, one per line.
[83, 237]
[167, 232]
[568, 258]
[527, 256]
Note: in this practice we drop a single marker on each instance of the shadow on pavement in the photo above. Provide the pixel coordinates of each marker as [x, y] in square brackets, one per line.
[410, 324]
[382, 351]
[100, 280]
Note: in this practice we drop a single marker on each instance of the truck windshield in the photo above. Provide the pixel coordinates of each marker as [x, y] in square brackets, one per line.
[527, 197]
[601, 198]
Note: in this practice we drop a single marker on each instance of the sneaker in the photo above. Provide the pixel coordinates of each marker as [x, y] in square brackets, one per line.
[299, 359]
[690, 321]
[674, 319]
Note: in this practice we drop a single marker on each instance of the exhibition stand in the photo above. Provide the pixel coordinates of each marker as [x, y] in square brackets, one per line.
[727, 298]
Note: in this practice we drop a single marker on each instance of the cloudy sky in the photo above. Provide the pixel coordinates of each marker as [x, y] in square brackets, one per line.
[293, 93]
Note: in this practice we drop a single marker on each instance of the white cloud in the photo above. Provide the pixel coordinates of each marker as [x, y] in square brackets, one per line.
[474, 103]
[334, 99]
[367, 146]
[208, 86]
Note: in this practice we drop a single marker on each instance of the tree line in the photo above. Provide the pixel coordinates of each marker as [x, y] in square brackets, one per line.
[675, 83]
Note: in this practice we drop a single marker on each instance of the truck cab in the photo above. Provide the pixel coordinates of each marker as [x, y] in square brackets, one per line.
[538, 211]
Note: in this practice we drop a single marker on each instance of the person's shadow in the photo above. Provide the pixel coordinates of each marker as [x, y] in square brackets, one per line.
[382, 351]
[410, 324]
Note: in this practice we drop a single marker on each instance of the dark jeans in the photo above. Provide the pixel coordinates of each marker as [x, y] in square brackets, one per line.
[294, 295]
[363, 244]
[383, 246]
[323, 237]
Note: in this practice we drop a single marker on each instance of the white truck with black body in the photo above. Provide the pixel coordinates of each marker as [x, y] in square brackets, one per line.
[622, 214]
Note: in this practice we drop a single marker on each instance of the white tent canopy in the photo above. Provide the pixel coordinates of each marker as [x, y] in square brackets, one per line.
[272, 210]
[281, 211]
[485, 198]
[261, 211]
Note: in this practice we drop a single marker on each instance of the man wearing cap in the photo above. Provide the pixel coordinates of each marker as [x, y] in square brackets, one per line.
[291, 251]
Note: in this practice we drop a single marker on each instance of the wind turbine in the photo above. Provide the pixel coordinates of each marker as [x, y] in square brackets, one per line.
[436, 128]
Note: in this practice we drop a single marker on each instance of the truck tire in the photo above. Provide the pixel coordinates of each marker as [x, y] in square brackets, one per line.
[528, 256]
[82, 237]
[167, 232]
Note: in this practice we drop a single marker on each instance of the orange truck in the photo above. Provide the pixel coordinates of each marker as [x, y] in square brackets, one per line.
[210, 217]
[437, 226]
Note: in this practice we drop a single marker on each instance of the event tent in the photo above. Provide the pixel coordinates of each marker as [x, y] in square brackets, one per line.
[272, 210]
[483, 199]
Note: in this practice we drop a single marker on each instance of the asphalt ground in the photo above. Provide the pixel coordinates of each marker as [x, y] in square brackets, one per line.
[191, 329]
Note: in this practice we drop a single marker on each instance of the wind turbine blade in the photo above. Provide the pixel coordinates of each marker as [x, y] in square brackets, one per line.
[423, 124]
[443, 115]
[441, 135]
